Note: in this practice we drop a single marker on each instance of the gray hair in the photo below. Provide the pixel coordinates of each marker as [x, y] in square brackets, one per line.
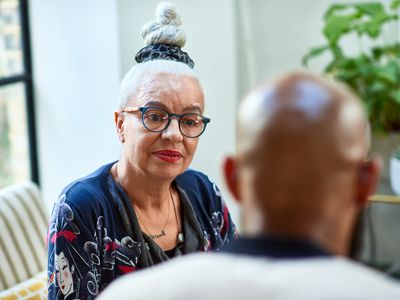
[133, 78]
[165, 30]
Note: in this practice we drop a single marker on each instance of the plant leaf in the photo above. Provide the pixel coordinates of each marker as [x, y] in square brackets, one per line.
[373, 17]
[376, 87]
[372, 9]
[396, 95]
[334, 8]
[373, 74]
[372, 29]
[388, 72]
[317, 51]
[336, 26]
[395, 4]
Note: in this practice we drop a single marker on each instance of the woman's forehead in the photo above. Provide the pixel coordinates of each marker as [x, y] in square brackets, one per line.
[169, 82]
[182, 107]
[170, 89]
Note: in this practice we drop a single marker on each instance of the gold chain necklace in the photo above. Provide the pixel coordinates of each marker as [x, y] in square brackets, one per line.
[159, 235]
[180, 237]
[137, 210]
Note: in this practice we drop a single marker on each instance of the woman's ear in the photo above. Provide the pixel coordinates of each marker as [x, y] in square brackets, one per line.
[119, 124]
[368, 179]
[231, 178]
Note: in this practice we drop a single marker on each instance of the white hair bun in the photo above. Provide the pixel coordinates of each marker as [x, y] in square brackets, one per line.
[166, 30]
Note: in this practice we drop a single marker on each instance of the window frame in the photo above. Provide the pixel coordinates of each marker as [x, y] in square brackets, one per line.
[26, 79]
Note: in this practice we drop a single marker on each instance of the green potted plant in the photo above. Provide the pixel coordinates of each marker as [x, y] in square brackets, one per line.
[374, 72]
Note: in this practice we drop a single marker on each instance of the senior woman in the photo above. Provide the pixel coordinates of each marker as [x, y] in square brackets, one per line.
[148, 206]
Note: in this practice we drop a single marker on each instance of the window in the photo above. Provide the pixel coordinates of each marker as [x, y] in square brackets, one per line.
[18, 157]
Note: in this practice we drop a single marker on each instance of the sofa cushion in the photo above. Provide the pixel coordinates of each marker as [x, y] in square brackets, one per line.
[32, 289]
[23, 226]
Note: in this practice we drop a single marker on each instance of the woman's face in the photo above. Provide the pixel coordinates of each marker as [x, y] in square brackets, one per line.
[168, 153]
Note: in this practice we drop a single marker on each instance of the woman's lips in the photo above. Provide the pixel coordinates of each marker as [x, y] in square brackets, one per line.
[168, 155]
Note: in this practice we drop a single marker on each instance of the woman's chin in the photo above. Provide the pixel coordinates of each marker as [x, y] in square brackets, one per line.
[168, 172]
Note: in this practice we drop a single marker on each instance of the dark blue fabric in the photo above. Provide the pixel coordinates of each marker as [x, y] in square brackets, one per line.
[91, 240]
[275, 247]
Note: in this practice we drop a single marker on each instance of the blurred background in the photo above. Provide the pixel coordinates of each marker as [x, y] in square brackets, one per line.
[61, 63]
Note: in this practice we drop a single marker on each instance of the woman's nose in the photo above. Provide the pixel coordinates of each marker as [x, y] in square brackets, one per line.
[172, 132]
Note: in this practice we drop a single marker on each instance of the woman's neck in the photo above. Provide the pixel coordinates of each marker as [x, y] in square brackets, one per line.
[144, 192]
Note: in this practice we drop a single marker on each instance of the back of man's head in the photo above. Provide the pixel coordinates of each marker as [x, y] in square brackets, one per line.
[301, 169]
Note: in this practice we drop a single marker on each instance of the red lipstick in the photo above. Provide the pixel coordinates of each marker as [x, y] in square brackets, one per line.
[168, 155]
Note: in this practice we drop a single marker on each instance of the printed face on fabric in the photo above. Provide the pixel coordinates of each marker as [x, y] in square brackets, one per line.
[80, 263]
[64, 274]
[68, 277]
[168, 153]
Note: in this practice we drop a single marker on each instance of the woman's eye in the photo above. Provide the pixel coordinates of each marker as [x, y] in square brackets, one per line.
[154, 117]
[191, 122]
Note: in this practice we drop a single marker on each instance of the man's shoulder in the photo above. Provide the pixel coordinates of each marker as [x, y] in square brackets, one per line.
[308, 278]
[230, 276]
[338, 277]
[186, 271]
[357, 272]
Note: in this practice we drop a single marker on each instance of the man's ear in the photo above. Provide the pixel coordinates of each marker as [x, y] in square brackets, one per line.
[231, 177]
[119, 124]
[368, 178]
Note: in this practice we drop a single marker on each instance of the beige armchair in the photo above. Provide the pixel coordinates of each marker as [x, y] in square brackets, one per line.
[23, 227]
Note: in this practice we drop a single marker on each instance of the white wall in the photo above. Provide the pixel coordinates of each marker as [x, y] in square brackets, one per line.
[76, 75]
[274, 35]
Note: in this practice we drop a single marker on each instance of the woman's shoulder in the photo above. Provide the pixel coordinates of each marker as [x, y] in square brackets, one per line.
[84, 200]
[198, 184]
[191, 176]
[84, 191]
[209, 207]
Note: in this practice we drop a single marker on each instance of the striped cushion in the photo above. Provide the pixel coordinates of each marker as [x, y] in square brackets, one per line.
[32, 289]
[23, 226]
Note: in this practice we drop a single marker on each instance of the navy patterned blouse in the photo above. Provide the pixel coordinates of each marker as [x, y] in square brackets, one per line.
[94, 235]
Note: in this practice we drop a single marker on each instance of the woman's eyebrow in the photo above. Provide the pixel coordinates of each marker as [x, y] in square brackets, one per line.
[191, 108]
[154, 103]
[188, 108]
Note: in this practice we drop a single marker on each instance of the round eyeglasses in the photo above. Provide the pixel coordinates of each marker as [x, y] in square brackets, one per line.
[157, 119]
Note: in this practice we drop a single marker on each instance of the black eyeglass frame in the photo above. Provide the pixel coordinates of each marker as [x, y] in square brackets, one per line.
[143, 109]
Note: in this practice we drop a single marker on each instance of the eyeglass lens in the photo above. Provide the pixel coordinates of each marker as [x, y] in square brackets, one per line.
[156, 119]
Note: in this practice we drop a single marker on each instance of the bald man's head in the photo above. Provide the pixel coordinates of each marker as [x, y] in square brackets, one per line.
[302, 141]
[302, 105]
